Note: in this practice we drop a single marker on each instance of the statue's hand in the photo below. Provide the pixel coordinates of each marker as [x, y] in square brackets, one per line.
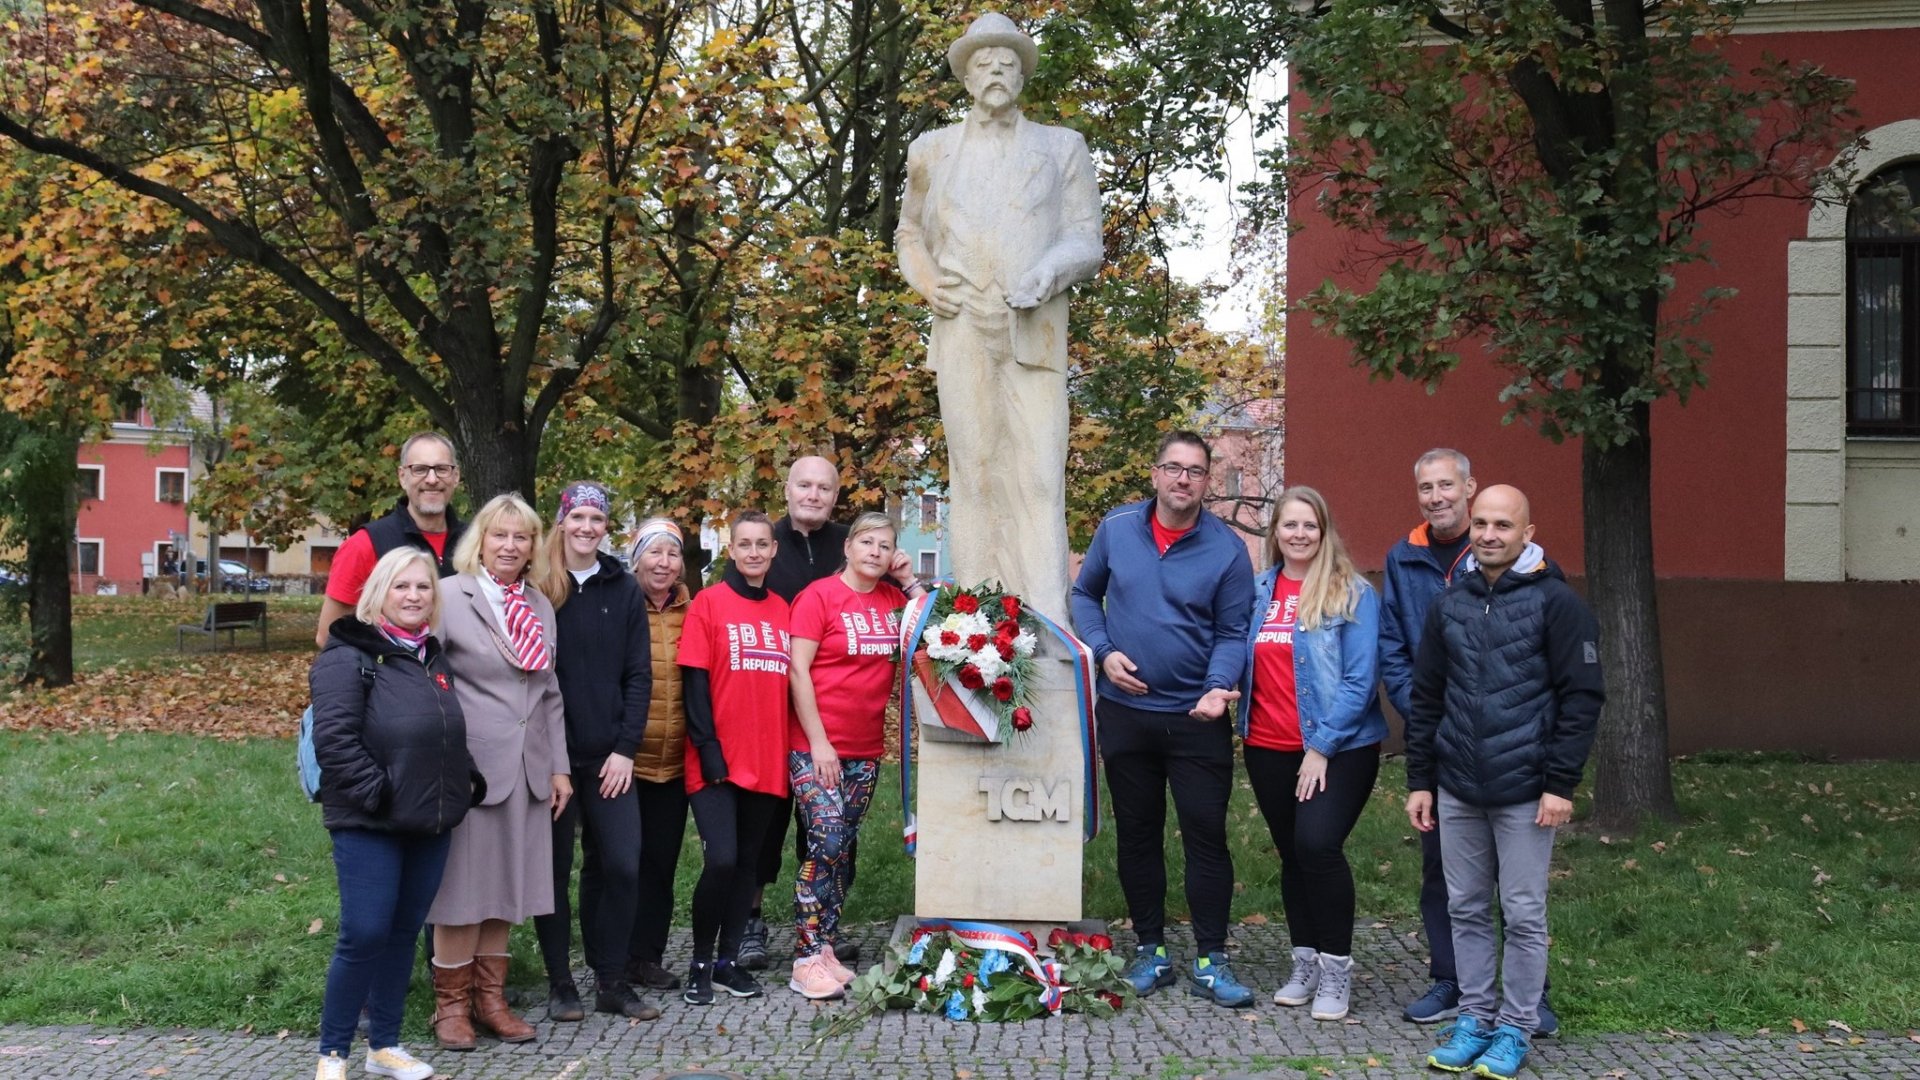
[1035, 288]
[944, 297]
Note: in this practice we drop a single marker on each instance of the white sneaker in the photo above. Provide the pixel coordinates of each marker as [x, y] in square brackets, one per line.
[332, 1067]
[1305, 979]
[396, 1062]
[1336, 983]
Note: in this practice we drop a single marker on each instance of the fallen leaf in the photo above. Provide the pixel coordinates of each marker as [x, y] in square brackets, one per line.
[1373, 1063]
[314, 926]
[1254, 919]
[157, 1070]
[1805, 1048]
[1659, 845]
[281, 878]
[1841, 1025]
[1799, 1026]
[102, 1042]
[1630, 864]
[963, 1074]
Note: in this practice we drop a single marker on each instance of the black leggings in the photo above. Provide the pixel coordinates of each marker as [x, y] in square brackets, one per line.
[733, 824]
[1146, 755]
[609, 880]
[1316, 884]
[663, 827]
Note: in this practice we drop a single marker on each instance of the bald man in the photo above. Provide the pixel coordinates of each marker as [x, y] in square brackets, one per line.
[1506, 696]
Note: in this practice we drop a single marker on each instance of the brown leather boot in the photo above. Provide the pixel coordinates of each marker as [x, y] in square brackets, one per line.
[453, 1006]
[490, 1001]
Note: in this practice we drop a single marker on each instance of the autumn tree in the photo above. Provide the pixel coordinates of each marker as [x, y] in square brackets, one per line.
[1533, 174]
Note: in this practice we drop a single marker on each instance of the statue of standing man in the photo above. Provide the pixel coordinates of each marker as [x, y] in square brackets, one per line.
[1001, 218]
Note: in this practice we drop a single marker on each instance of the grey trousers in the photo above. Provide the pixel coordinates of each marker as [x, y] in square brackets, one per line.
[1488, 846]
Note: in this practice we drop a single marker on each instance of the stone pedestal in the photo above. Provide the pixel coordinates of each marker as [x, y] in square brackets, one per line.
[1000, 823]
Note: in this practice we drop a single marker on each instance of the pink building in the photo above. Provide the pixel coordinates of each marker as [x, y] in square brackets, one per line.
[133, 503]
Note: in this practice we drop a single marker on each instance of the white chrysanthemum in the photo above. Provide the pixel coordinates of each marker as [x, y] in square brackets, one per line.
[1025, 643]
[961, 625]
[944, 970]
[988, 661]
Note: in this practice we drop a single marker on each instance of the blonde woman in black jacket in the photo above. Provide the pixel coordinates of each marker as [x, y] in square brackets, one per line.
[395, 778]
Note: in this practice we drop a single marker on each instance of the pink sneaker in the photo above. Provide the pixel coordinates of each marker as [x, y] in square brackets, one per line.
[840, 971]
[814, 980]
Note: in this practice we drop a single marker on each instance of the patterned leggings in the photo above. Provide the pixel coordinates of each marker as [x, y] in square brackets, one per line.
[832, 818]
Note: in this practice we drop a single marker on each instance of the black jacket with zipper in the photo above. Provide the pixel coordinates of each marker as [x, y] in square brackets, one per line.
[393, 753]
[604, 662]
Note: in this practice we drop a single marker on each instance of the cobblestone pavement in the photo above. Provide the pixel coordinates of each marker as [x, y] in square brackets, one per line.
[1170, 1036]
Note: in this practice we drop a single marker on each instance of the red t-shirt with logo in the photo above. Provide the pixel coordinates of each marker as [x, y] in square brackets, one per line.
[1275, 721]
[744, 647]
[1164, 537]
[354, 561]
[853, 673]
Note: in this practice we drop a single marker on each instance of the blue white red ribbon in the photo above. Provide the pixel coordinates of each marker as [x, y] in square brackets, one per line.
[913, 626]
[985, 935]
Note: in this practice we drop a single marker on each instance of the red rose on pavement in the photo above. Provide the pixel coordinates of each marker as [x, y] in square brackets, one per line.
[1032, 942]
[1100, 941]
[1058, 935]
[1003, 688]
[967, 982]
[971, 678]
[1022, 720]
[1010, 605]
[1110, 998]
[965, 605]
[976, 642]
[1079, 939]
[949, 637]
[926, 983]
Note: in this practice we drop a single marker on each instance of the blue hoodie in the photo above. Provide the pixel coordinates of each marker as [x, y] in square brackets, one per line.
[1180, 617]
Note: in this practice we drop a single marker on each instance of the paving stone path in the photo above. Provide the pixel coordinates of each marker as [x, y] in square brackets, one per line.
[1170, 1036]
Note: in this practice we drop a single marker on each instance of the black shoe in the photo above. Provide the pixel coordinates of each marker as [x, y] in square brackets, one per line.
[752, 953]
[847, 951]
[699, 989]
[736, 980]
[619, 999]
[652, 976]
[563, 1003]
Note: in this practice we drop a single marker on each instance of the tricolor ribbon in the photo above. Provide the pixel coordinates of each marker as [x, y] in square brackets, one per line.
[955, 713]
[984, 936]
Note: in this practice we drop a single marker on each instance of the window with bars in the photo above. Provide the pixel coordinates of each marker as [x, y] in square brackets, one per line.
[1883, 305]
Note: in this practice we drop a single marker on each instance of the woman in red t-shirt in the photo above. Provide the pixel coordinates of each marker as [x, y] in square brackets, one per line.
[1312, 727]
[846, 637]
[734, 651]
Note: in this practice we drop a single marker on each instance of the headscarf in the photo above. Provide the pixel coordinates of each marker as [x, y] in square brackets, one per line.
[585, 493]
[653, 529]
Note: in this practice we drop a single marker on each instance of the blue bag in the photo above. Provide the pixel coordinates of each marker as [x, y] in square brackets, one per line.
[309, 761]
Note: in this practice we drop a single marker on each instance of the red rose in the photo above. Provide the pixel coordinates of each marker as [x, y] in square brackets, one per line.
[965, 604]
[1005, 649]
[926, 983]
[949, 637]
[1079, 939]
[1100, 941]
[1010, 605]
[1022, 720]
[967, 983]
[1003, 688]
[976, 642]
[1032, 942]
[1110, 998]
[971, 678]
[1007, 629]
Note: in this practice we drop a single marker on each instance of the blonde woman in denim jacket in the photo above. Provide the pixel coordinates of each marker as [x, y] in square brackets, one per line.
[1312, 726]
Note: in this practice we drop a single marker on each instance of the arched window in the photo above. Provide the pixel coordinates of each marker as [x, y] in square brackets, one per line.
[1883, 305]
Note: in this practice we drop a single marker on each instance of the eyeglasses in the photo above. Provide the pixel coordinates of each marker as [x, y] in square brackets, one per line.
[1173, 470]
[419, 472]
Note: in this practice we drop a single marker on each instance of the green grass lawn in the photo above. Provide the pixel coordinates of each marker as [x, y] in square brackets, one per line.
[166, 880]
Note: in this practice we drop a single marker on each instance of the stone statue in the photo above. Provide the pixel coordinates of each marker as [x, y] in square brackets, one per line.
[1001, 217]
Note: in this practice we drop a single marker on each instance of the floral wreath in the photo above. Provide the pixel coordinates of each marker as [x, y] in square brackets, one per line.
[984, 639]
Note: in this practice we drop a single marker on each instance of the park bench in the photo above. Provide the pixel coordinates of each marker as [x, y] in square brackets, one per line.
[231, 617]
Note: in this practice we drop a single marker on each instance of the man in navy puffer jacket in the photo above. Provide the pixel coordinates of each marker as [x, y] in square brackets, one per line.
[1506, 697]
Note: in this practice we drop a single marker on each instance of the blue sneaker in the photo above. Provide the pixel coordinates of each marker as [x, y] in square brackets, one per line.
[1546, 1023]
[1150, 969]
[1440, 1002]
[1212, 978]
[1466, 1041]
[1504, 1056]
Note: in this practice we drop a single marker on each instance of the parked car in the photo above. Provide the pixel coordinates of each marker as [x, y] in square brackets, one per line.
[11, 579]
[235, 576]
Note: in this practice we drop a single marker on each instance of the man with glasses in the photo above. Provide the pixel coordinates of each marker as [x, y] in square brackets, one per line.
[1163, 600]
[422, 519]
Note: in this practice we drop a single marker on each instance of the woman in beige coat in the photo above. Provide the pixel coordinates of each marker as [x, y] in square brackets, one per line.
[498, 631]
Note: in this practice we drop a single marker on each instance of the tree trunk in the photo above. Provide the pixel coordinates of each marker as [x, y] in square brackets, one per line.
[1631, 776]
[47, 514]
[494, 461]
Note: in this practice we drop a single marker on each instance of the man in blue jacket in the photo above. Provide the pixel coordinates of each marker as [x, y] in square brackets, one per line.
[1163, 599]
[1506, 697]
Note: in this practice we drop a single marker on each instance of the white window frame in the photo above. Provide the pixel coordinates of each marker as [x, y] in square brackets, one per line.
[99, 562]
[100, 484]
[159, 495]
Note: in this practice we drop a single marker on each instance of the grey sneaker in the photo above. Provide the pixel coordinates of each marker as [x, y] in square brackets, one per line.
[1303, 982]
[1336, 984]
[752, 954]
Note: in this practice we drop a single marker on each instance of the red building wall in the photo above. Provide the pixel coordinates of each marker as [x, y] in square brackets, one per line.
[129, 519]
[1720, 462]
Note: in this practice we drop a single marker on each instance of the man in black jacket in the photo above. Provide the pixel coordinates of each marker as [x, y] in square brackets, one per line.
[1507, 691]
[423, 518]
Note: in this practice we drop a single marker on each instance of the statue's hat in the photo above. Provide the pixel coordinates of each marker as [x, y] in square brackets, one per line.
[992, 29]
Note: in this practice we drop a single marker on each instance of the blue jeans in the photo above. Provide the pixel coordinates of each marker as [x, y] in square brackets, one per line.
[387, 883]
